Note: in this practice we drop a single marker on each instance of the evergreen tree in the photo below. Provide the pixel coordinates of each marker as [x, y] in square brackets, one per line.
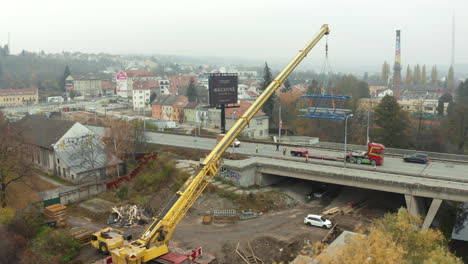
[270, 103]
[287, 86]
[393, 121]
[445, 98]
[434, 75]
[385, 71]
[417, 74]
[409, 76]
[423, 74]
[191, 91]
[450, 79]
[66, 73]
[457, 127]
[313, 88]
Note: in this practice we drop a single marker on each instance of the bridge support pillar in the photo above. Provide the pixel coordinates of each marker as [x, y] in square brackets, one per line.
[415, 205]
[435, 205]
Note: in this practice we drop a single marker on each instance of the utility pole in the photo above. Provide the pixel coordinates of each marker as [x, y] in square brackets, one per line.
[280, 124]
[368, 118]
[345, 138]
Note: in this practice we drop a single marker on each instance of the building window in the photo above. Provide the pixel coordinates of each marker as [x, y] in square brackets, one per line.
[58, 161]
[259, 122]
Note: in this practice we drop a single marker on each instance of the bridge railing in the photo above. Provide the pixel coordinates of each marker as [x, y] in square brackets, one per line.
[394, 151]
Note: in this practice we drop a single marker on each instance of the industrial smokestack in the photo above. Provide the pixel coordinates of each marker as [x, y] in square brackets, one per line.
[397, 68]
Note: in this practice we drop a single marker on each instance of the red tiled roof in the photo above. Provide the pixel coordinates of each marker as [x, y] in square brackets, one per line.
[106, 85]
[145, 85]
[181, 101]
[191, 105]
[139, 73]
[181, 80]
[238, 112]
[24, 91]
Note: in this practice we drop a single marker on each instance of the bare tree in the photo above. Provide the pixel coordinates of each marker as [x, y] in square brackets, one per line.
[15, 158]
[89, 150]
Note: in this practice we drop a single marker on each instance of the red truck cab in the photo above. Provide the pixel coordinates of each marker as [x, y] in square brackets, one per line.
[373, 156]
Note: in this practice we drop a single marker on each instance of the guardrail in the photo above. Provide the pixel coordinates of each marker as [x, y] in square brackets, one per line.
[394, 151]
[340, 146]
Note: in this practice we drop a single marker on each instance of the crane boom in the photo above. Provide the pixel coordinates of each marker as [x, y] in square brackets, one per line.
[153, 242]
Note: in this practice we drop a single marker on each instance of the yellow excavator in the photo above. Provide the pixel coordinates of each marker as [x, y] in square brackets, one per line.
[153, 243]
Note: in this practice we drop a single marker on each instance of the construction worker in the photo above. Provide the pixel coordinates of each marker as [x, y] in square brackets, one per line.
[284, 151]
[256, 148]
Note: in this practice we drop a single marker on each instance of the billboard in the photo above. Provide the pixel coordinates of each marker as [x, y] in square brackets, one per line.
[121, 80]
[222, 88]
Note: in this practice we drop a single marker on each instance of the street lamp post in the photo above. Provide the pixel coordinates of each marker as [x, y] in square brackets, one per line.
[345, 137]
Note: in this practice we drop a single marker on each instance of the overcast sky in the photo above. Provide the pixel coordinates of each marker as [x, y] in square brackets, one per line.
[362, 31]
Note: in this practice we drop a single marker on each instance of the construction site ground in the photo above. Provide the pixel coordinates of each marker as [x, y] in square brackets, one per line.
[276, 235]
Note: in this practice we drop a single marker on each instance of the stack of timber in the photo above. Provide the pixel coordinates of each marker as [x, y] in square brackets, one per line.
[57, 212]
[225, 216]
[83, 235]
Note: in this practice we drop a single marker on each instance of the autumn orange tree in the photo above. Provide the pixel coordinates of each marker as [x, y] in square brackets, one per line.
[395, 238]
[15, 158]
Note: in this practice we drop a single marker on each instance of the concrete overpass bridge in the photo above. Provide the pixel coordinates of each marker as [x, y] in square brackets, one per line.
[442, 181]
[266, 171]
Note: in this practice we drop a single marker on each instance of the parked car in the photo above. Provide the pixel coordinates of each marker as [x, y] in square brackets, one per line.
[417, 158]
[317, 220]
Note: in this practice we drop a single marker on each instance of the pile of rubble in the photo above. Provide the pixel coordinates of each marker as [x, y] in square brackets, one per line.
[128, 215]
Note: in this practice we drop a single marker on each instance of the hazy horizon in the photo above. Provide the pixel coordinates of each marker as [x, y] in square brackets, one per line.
[362, 32]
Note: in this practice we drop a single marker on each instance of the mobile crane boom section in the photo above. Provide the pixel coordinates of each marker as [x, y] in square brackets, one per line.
[153, 242]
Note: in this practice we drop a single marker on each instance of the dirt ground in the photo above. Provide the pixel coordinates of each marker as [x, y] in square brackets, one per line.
[277, 235]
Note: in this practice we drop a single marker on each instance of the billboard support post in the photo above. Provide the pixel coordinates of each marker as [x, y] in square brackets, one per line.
[223, 119]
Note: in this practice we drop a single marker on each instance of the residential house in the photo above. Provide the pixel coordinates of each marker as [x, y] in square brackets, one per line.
[427, 91]
[108, 88]
[10, 97]
[87, 86]
[167, 107]
[165, 88]
[376, 86]
[156, 106]
[257, 128]
[138, 75]
[190, 113]
[178, 108]
[69, 83]
[141, 94]
[68, 149]
[383, 93]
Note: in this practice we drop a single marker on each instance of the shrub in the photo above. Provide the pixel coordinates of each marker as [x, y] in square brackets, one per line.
[6, 215]
[122, 193]
[55, 243]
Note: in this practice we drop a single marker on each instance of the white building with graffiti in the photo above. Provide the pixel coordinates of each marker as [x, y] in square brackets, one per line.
[69, 150]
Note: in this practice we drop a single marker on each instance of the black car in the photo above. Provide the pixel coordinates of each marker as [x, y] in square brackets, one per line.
[417, 158]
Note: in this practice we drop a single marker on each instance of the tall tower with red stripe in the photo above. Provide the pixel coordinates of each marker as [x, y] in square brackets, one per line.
[397, 68]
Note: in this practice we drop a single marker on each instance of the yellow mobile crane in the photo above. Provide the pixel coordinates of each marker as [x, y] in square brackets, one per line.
[154, 240]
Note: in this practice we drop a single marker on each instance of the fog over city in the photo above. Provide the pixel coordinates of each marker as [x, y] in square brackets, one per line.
[362, 32]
